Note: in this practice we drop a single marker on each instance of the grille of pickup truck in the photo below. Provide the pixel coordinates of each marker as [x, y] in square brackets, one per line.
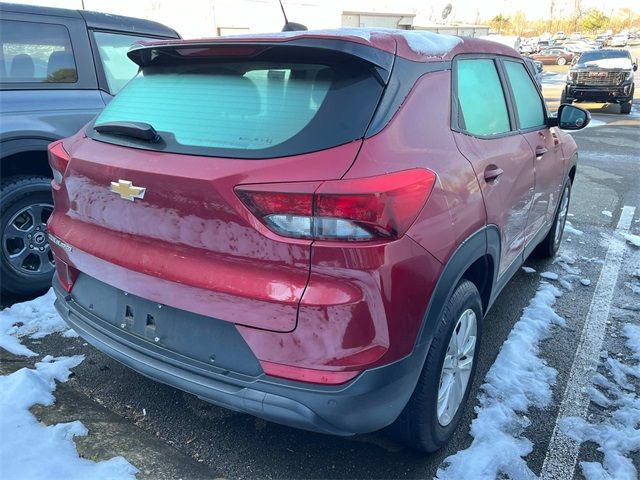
[599, 78]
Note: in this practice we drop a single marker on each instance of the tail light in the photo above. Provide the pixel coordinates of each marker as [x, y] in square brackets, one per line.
[372, 208]
[58, 160]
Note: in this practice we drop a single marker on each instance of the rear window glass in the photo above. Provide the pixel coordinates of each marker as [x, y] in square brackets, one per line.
[36, 53]
[247, 109]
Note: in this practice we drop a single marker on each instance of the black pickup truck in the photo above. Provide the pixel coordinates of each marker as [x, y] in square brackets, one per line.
[602, 76]
[58, 69]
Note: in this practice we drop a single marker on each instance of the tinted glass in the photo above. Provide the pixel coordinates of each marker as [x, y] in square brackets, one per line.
[528, 103]
[36, 53]
[482, 102]
[247, 109]
[112, 50]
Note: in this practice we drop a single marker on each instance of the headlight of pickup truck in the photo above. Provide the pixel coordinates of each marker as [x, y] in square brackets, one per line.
[628, 76]
[571, 77]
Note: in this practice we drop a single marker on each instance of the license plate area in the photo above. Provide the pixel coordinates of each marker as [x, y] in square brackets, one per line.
[207, 340]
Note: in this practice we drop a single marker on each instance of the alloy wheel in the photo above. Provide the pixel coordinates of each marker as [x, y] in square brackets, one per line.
[457, 366]
[25, 243]
[562, 216]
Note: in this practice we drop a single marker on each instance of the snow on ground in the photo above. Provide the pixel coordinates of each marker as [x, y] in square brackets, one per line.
[32, 450]
[35, 319]
[617, 432]
[632, 239]
[568, 228]
[518, 380]
[529, 269]
[28, 448]
[549, 275]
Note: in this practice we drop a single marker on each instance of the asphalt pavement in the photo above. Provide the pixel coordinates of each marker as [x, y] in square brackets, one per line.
[170, 434]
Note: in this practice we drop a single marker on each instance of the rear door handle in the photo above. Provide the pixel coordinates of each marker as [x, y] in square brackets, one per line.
[540, 151]
[492, 172]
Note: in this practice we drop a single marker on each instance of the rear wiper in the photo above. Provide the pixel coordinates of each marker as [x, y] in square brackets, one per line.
[140, 130]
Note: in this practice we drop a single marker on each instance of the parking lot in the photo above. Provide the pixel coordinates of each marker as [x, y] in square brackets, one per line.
[166, 433]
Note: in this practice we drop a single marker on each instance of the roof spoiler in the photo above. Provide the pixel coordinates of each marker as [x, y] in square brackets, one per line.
[147, 54]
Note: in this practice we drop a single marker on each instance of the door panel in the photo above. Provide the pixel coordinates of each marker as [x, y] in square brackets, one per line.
[544, 145]
[500, 156]
[507, 198]
[549, 176]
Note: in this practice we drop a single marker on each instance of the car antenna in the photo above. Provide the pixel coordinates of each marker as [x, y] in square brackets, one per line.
[290, 26]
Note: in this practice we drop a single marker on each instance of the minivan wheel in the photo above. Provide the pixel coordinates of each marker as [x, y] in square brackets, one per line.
[27, 264]
[551, 243]
[437, 403]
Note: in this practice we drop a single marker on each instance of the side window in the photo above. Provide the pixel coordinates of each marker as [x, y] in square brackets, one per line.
[528, 103]
[36, 53]
[112, 50]
[483, 108]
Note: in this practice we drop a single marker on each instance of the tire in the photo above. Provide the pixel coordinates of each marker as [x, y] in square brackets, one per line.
[561, 61]
[26, 205]
[625, 107]
[420, 425]
[549, 246]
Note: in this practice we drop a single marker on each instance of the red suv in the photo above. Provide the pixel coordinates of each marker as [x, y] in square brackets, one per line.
[310, 227]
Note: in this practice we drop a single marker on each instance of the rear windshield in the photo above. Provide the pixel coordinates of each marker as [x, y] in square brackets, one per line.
[246, 109]
[606, 59]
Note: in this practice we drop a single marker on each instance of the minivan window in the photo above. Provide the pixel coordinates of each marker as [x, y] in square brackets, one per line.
[483, 108]
[528, 102]
[112, 50]
[249, 109]
[36, 53]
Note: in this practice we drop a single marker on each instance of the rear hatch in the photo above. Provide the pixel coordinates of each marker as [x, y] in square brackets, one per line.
[195, 123]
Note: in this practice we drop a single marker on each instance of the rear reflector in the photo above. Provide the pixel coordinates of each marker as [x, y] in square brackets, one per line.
[324, 377]
[58, 160]
[372, 208]
[66, 274]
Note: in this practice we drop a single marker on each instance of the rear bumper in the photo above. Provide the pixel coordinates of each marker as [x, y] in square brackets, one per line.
[599, 93]
[370, 402]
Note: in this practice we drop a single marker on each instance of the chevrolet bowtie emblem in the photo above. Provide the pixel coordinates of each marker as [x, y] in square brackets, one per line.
[127, 190]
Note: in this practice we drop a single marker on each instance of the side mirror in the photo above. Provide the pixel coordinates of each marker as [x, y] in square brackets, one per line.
[571, 117]
[635, 66]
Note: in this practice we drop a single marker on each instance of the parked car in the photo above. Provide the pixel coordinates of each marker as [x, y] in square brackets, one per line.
[560, 36]
[575, 36]
[536, 69]
[602, 76]
[289, 233]
[58, 70]
[619, 40]
[554, 56]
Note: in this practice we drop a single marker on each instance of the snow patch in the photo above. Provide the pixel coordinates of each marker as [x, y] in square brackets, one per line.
[529, 269]
[571, 229]
[517, 380]
[32, 450]
[585, 281]
[421, 42]
[632, 239]
[618, 433]
[34, 319]
[549, 275]
[607, 213]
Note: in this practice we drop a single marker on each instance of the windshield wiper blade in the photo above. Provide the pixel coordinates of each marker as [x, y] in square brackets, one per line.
[140, 130]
